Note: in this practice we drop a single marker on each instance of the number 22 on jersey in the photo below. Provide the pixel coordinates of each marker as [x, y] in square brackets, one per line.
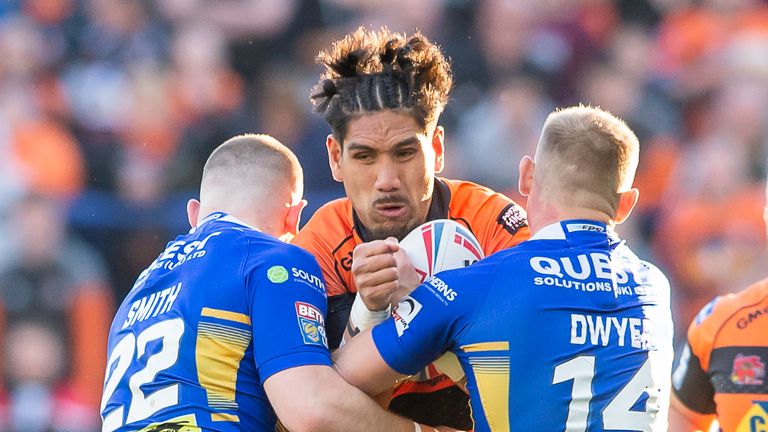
[132, 347]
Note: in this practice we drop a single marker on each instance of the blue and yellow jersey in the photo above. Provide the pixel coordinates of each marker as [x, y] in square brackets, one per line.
[566, 331]
[217, 313]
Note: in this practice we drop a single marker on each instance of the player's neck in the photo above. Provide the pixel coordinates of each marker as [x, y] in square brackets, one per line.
[542, 214]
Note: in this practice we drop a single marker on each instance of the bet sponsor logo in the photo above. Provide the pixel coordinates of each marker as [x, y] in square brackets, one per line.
[512, 218]
[404, 313]
[311, 324]
[277, 274]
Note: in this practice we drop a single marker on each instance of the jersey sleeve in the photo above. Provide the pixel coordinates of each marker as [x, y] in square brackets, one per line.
[497, 221]
[690, 381]
[425, 324]
[288, 308]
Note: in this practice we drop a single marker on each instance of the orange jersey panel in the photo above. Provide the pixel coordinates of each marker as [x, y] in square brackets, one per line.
[331, 235]
[723, 370]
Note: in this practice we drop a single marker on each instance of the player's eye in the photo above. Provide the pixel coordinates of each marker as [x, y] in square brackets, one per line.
[363, 156]
[405, 153]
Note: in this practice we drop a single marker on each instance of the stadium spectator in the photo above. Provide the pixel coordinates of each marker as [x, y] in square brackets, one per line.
[524, 322]
[721, 376]
[59, 285]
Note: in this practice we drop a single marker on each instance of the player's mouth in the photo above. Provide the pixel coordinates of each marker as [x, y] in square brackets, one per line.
[390, 210]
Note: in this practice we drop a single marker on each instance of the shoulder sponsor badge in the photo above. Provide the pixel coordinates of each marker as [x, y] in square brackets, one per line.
[512, 218]
[748, 370]
[404, 313]
[706, 311]
[311, 324]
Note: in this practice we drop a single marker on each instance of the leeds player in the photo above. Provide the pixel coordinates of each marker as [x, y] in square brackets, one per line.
[566, 331]
[228, 321]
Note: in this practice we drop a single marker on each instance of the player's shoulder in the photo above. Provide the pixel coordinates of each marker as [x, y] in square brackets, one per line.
[332, 221]
[479, 204]
[724, 309]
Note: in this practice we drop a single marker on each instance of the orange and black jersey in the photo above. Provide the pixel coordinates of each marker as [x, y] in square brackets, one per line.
[334, 230]
[332, 234]
[723, 367]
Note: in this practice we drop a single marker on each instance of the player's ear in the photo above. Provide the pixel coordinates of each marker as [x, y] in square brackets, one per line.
[291, 221]
[438, 146]
[334, 157]
[627, 201]
[193, 212]
[525, 179]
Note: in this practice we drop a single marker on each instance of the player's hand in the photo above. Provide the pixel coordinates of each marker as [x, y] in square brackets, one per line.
[407, 278]
[375, 271]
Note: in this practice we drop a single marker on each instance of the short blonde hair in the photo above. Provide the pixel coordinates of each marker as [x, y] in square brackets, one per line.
[586, 156]
[248, 165]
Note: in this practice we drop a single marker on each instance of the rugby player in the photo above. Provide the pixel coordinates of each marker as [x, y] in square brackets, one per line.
[569, 330]
[721, 375]
[228, 321]
[382, 95]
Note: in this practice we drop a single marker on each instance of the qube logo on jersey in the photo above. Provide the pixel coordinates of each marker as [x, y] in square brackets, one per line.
[311, 324]
[748, 370]
[404, 313]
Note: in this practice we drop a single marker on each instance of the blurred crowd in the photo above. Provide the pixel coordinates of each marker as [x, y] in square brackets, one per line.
[108, 109]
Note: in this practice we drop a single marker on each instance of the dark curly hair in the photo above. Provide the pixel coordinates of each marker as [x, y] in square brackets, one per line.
[370, 71]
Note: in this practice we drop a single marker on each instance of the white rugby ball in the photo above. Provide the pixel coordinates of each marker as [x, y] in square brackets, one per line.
[435, 246]
[439, 245]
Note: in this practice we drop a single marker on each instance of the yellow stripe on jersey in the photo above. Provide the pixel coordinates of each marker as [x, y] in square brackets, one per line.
[225, 417]
[226, 315]
[492, 378]
[486, 346]
[218, 353]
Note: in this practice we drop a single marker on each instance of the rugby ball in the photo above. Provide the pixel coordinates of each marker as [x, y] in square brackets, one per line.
[439, 245]
[435, 246]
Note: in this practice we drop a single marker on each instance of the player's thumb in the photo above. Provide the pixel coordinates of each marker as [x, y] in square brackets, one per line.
[394, 245]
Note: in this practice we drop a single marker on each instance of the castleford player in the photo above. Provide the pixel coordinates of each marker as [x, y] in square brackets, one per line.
[382, 95]
[722, 371]
[569, 330]
[228, 319]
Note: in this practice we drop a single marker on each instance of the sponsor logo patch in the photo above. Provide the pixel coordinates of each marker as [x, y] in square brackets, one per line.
[512, 218]
[748, 370]
[404, 313]
[277, 274]
[755, 419]
[311, 324]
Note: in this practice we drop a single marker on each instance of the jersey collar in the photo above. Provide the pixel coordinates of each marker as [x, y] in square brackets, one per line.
[438, 209]
[222, 217]
[577, 231]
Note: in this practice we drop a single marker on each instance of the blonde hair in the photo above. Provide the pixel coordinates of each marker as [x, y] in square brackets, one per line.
[586, 157]
[248, 167]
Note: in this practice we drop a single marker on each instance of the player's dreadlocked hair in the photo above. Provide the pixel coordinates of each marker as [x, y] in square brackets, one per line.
[373, 71]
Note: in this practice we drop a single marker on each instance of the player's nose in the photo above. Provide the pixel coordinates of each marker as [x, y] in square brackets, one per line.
[387, 177]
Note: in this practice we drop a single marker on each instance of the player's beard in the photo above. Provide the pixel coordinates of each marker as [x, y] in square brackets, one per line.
[392, 229]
